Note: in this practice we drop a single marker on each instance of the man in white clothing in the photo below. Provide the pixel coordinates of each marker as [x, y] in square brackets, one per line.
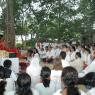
[63, 61]
[90, 67]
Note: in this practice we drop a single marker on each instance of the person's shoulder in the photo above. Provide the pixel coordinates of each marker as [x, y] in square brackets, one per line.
[38, 85]
[10, 93]
[91, 92]
[82, 92]
[58, 92]
[35, 92]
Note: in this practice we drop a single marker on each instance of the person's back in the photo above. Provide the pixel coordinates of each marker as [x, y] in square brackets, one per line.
[89, 81]
[46, 87]
[77, 63]
[7, 64]
[46, 90]
[63, 61]
[14, 92]
[69, 80]
[7, 73]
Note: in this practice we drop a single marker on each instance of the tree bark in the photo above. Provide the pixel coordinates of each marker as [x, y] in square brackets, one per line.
[9, 23]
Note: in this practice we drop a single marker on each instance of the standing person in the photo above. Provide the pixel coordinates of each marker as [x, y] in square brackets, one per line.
[69, 80]
[46, 87]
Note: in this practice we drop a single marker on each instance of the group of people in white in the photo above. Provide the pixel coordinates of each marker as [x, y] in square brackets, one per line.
[73, 72]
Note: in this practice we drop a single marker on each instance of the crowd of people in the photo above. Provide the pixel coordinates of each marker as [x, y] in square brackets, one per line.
[73, 72]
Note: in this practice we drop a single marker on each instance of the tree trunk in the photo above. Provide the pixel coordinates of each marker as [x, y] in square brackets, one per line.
[9, 21]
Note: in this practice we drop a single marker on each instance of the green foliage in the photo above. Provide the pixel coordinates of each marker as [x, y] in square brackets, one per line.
[54, 19]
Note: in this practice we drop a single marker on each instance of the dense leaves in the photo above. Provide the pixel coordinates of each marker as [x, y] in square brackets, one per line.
[54, 19]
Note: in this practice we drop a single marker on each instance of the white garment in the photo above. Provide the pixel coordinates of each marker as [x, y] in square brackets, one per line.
[77, 64]
[56, 76]
[58, 92]
[84, 56]
[89, 68]
[57, 52]
[13, 76]
[64, 63]
[72, 56]
[42, 54]
[46, 90]
[91, 92]
[14, 93]
[53, 53]
[89, 60]
[10, 85]
[34, 70]
[67, 56]
[50, 54]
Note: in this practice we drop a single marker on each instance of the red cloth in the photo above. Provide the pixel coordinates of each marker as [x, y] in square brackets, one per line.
[18, 54]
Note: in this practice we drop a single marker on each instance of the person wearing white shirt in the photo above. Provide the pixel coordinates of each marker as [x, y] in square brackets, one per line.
[84, 54]
[89, 82]
[8, 72]
[72, 53]
[6, 84]
[77, 63]
[57, 52]
[56, 74]
[63, 61]
[46, 86]
[50, 55]
[90, 67]
[69, 79]
[23, 86]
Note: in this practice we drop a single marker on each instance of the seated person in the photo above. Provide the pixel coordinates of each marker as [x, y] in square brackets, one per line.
[46, 86]
[6, 84]
[23, 86]
[8, 72]
[87, 83]
[69, 80]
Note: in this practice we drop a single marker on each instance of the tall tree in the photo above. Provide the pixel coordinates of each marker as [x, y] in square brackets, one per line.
[9, 22]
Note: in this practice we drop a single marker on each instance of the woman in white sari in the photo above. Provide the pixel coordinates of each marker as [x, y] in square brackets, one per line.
[34, 70]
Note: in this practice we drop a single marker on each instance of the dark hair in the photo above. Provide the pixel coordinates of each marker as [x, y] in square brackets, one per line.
[7, 63]
[73, 47]
[63, 54]
[88, 79]
[2, 83]
[64, 46]
[88, 50]
[78, 54]
[45, 76]
[24, 84]
[83, 46]
[70, 77]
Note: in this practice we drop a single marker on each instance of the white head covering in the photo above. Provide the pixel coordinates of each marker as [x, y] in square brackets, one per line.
[34, 70]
